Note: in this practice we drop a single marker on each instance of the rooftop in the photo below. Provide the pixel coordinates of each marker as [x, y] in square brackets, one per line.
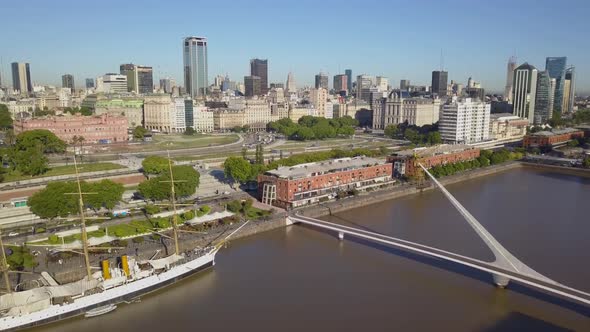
[434, 150]
[328, 166]
[504, 116]
[555, 132]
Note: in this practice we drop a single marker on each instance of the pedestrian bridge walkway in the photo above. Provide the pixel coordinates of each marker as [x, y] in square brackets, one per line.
[504, 268]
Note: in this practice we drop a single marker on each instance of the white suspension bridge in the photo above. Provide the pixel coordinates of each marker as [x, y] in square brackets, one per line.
[505, 267]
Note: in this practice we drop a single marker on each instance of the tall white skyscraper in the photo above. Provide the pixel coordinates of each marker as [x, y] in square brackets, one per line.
[195, 66]
[510, 78]
[465, 121]
[290, 86]
[524, 91]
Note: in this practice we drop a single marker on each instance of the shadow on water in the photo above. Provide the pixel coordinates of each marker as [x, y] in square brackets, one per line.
[516, 321]
[465, 271]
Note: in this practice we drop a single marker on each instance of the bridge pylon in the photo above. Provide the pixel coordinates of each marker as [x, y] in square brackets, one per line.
[501, 281]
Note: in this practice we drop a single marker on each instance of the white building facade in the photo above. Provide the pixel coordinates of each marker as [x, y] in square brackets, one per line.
[464, 121]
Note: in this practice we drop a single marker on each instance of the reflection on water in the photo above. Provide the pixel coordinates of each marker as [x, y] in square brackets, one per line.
[302, 279]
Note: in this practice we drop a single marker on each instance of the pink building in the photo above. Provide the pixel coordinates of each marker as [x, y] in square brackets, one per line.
[94, 129]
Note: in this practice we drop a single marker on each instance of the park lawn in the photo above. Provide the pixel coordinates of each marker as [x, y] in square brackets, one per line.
[63, 170]
[195, 141]
[255, 213]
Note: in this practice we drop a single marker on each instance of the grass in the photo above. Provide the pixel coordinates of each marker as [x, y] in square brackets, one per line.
[62, 170]
[255, 213]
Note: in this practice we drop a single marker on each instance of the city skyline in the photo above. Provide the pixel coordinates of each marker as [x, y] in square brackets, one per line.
[159, 46]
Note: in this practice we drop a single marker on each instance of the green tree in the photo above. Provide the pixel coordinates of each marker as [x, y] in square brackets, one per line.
[139, 132]
[413, 136]
[586, 162]
[245, 152]
[155, 165]
[303, 134]
[237, 169]
[259, 154]
[57, 200]
[47, 140]
[392, 131]
[151, 209]
[323, 130]
[347, 131]
[5, 118]
[9, 137]
[433, 138]
[31, 161]
[347, 120]
[190, 131]
[186, 181]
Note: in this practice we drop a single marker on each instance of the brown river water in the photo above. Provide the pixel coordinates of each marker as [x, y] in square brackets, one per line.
[302, 279]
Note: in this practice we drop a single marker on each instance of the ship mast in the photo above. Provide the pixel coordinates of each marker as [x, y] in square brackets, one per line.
[83, 222]
[5, 266]
[173, 202]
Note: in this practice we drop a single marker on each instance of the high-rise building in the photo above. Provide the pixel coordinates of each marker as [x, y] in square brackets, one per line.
[569, 91]
[259, 67]
[464, 121]
[439, 83]
[139, 78]
[290, 85]
[321, 81]
[382, 83]
[90, 83]
[195, 66]
[111, 83]
[252, 86]
[21, 78]
[319, 98]
[524, 91]
[167, 84]
[544, 98]
[340, 83]
[509, 79]
[404, 85]
[348, 73]
[67, 81]
[556, 68]
[364, 87]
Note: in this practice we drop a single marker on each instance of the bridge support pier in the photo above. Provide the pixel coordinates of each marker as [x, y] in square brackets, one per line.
[501, 281]
[340, 236]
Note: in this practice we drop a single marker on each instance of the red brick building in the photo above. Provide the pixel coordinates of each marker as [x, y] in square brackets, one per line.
[544, 139]
[405, 163]
[290, 187]
[95, 129]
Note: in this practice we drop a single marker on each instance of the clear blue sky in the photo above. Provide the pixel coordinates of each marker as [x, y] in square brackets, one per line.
[397, 39]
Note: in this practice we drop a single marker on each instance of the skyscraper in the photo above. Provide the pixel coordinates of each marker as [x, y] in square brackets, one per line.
[321, 81]
[404, 85]
[195, 66]
[524, 91]
[290, 85]
[569, 91]
[139, 78]
[556, 68]
[167, 84]
[259, 67]
[340, 83]
[90, 83]
[21, 78]
[439, 82]
[544, 98]
[348, 73]
[252, 86]
[67, 81]
[509, 79]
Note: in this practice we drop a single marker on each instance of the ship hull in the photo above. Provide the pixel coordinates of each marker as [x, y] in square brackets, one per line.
[120, 294]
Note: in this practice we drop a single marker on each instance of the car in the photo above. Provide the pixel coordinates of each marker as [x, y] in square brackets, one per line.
[12, 234]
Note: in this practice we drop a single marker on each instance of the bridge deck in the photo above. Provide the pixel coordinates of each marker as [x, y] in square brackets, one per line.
[536, 283]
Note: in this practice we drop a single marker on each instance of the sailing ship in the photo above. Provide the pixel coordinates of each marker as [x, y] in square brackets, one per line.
[100, 292]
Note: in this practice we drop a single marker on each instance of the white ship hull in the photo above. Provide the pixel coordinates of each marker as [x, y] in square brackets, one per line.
[123, 293]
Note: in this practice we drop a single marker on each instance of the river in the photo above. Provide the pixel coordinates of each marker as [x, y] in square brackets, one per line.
[302, 279]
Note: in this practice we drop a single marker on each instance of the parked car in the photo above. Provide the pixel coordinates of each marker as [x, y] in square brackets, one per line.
[12, 234]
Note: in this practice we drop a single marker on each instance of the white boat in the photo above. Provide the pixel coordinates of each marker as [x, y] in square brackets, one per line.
[99, 293]
[100, 310]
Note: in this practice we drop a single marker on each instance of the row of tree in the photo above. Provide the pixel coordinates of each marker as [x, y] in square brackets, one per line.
[486, 158]
[311, 127]
[60, 199]
[427, 134]
[241, 170]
